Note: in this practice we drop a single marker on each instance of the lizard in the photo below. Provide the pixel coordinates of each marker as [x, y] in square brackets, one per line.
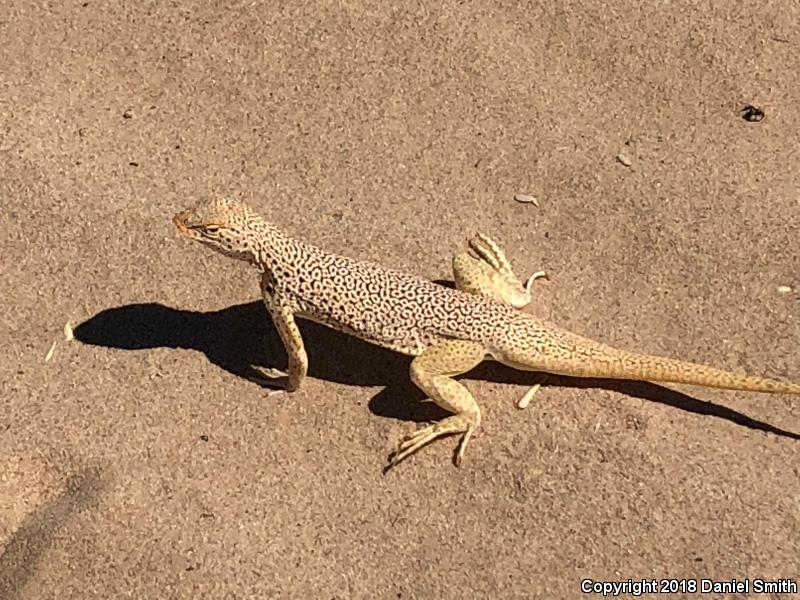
[447, 331]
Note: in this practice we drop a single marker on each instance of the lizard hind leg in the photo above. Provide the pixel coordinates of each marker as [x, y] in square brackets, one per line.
[488, 272]
[433, 372]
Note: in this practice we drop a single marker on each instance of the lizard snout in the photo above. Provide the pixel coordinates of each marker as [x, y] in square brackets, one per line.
[179, 220]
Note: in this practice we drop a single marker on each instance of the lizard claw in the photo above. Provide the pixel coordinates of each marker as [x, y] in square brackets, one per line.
[269, 372]
[456, 424]
[273, 378]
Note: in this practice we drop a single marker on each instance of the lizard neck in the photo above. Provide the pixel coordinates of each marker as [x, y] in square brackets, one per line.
[274, 251]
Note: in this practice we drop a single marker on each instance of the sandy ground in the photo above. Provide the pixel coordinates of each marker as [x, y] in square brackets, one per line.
[138, 462]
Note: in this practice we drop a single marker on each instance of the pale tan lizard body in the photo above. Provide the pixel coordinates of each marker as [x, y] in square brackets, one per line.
[448, 331]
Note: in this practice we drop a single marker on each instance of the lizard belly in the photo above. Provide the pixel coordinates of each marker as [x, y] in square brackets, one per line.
[398, 339]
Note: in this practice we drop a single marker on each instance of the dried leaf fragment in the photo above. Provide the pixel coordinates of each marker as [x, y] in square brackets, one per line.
[50, 352]
[526, 199]
[623, 159]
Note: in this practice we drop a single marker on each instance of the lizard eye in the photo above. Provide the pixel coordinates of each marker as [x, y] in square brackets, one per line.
[212, 229]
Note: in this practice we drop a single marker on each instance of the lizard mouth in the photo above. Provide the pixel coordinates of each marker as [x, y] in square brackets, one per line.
[179, 220]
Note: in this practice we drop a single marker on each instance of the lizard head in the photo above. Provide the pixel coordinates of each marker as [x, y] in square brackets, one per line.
[224, 225]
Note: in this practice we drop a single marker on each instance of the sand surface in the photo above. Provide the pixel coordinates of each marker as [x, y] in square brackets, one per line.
[138, 462]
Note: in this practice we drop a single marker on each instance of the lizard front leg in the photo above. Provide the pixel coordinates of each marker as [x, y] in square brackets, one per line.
[282, 313]
[489, 273]
[289, 333]
[433, 372]
[283, 318]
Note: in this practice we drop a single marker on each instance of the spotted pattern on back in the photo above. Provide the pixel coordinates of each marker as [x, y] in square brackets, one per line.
[384, 306]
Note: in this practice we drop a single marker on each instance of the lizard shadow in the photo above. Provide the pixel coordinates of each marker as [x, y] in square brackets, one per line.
[242, 335]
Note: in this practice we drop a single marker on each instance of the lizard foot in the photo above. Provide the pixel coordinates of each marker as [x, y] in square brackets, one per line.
[274, 378]
[487, 249]
[484, 270]
[451, 425]
[269, 372]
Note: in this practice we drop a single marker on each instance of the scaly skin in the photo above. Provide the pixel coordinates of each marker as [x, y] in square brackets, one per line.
[449, 332]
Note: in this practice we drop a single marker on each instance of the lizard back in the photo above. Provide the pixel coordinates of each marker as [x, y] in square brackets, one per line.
[389, 308]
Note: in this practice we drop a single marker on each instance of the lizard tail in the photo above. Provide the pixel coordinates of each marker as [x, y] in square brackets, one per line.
[576, 356]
